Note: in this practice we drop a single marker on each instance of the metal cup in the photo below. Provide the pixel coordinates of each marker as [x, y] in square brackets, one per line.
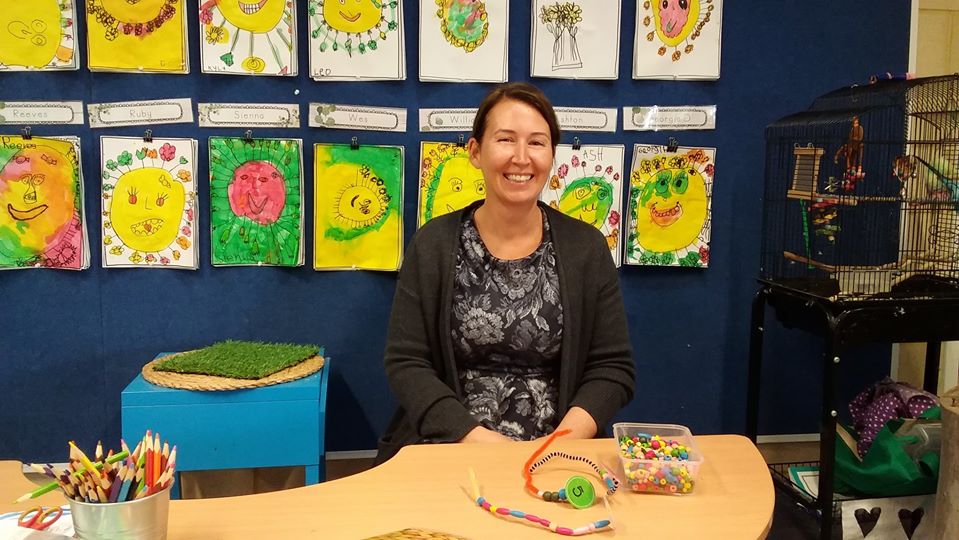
[142, 519]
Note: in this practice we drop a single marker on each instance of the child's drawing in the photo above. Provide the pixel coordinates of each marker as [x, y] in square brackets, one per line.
[149, 200]
[248, 38]
[137, 35]
[575, 39]
[41, 204]
[677, 39]
[256, 202]
[38, 35]
[356, 39]
[587, 184]
[669, 206]
[448, 181]
[358, 203]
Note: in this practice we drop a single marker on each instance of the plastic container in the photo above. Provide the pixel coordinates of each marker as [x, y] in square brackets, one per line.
[922, 439]
[654, 473]
[142, 519]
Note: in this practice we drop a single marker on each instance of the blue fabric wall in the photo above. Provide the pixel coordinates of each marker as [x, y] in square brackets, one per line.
[70, 342]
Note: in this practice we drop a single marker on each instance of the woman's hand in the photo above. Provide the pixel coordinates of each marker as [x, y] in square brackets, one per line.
[479, 434]
[579, 422]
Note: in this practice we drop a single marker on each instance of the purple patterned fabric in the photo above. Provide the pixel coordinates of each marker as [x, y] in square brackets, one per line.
[882, 402]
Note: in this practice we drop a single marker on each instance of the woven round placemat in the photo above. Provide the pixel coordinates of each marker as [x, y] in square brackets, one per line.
[192, 381]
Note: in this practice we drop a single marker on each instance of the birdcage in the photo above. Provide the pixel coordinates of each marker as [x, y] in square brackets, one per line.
[862, 193]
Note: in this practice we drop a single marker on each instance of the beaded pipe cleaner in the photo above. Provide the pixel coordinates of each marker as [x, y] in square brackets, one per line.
[579, 491]
[518, 514]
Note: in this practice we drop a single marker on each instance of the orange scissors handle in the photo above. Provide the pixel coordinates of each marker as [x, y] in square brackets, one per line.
[39, 519]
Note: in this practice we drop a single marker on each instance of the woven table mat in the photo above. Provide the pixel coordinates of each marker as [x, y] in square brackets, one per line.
[192, 381]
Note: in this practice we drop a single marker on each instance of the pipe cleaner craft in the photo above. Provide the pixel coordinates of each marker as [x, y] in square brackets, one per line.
[594, 526]
[579, 491]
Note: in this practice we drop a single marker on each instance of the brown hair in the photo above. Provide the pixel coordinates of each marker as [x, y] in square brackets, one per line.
[525, 93]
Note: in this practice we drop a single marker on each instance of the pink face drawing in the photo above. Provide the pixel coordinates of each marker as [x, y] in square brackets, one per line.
[258, 192]
[673, 15]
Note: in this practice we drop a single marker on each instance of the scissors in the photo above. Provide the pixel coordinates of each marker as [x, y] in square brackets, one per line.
[38, 518]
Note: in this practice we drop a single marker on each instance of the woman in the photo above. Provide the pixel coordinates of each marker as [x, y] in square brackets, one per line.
[508, 322]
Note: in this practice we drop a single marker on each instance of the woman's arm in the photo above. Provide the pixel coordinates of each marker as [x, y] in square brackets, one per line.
[431, 405]
[608, 377]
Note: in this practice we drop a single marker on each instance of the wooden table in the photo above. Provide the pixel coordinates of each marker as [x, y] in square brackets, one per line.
[428, 486]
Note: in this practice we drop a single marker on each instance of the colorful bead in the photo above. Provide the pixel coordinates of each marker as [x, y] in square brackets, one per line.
[663, 460]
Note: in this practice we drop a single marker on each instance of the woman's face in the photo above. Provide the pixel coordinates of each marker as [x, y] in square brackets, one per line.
[515, 154]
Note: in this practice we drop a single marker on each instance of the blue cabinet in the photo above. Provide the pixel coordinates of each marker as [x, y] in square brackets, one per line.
[272, 426]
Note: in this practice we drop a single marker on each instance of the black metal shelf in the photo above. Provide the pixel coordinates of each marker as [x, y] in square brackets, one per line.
[842, 324]
[780, 474]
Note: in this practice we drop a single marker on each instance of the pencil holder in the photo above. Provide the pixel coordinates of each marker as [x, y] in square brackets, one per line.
[142, 519]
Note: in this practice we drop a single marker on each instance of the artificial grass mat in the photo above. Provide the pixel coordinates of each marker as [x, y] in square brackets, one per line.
[238, 359]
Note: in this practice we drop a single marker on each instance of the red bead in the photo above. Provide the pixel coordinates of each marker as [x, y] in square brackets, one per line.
[564, 530]
[503, 511]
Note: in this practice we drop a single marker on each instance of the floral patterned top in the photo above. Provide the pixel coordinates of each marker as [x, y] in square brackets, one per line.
[507, 328]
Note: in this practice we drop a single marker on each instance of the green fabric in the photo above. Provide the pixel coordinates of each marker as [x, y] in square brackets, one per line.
[887, 470]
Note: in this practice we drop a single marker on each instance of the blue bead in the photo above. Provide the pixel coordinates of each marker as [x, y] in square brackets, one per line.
[480, 501]
[562, 494]
[517, 513]
[601, 523]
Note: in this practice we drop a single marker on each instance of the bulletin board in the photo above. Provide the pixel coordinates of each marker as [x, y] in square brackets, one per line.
[71, 341]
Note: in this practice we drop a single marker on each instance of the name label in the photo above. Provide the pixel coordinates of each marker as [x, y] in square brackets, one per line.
[276, 115]
[586, 119]
[41, 112]
[657, 118]
[357, 117]
[136, 113]
[447, 119]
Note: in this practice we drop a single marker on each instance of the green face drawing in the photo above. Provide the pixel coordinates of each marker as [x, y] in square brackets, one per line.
[589, 199]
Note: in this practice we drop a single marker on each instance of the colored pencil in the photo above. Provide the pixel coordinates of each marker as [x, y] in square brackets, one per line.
[164, 456]
[125, 488]
[47, 488]
[156, 459]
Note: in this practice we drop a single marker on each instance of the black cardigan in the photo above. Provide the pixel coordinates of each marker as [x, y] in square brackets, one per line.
[596, 365]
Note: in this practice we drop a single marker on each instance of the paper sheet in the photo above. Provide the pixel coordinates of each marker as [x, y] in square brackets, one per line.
[149, 202]
[248, 38]
[587, 183]
[670, 198]
[148, 36]
[575, 39]
[463, 40]
[40, 34]
[41, 192]
[677, 40]
[361, 40]
[448, 181]
[358, 200]
[256, 201]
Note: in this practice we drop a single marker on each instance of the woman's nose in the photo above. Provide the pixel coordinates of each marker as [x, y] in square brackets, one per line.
[521, 154]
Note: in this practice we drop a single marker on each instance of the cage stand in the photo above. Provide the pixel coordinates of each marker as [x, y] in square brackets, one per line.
[842, 324]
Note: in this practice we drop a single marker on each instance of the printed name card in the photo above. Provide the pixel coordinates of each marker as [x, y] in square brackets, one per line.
[657, 118]
[137, 113]
[334, 116]
[447, 119]
[41, 112]
[276, 115]
[580, 119]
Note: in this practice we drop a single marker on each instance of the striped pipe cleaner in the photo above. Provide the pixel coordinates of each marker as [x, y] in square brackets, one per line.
[611, 482]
